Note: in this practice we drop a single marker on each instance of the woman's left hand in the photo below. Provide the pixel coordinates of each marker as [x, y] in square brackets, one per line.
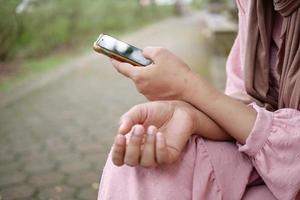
[158, 132]
[167, 77]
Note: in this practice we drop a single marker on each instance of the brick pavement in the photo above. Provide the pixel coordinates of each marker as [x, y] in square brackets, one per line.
[54, 140]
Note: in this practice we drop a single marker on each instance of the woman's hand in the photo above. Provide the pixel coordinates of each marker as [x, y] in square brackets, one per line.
[168, 126]
[171, 78]
[167, 78]
[158, 132]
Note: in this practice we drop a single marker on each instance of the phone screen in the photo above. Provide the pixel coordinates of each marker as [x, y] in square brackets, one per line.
[123, 49]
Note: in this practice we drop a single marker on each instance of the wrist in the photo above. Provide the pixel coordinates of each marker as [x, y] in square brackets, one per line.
[198, 119]
[199, 92]
[192, 81]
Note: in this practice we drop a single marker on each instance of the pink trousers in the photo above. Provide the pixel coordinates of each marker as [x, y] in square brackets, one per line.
[206, 170]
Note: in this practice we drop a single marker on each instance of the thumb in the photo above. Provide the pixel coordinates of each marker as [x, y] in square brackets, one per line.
[153, 53]
[136, 115]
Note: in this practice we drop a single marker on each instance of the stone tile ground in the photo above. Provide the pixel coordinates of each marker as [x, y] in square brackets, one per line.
[54, 140]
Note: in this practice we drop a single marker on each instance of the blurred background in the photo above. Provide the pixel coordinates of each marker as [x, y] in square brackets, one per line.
[60, 102]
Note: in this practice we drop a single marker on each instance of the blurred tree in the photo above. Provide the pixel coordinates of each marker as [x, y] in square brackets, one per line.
[8, 28]
[36, 27]
[179, 7]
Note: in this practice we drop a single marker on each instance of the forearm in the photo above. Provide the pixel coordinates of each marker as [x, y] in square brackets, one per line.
[233, 116]
[209, 129]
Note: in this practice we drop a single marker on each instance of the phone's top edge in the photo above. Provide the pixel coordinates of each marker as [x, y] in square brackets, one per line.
[99, 37]
[104, 34]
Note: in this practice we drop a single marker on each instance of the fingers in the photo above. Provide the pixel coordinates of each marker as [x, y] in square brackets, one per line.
[155, 150]
[118, 150]
[124, 68]
[133, 149]
[148, 154]
[162, 155]
[153, 53]
[136, 115]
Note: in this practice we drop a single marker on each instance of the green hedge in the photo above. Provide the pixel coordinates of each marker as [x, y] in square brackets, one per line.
[48, 24]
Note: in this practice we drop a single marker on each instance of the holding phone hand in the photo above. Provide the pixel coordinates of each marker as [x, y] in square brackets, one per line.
[167, 78]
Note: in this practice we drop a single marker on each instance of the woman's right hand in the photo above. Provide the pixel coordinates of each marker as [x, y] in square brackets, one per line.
[167, 78]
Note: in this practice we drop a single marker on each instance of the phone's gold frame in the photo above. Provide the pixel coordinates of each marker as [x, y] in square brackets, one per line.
[111, 54]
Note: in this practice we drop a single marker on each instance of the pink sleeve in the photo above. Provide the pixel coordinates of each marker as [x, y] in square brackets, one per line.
[274, 149]
[235, 82]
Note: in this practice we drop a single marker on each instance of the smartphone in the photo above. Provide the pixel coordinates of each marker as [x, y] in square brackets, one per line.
[120, 51]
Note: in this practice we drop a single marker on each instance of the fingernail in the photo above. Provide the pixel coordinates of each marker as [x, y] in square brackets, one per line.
[122, 126]
[151, 130]
[132, 129]
[137, 131]
[159, 137]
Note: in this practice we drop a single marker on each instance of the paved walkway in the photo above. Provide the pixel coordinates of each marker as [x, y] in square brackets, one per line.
[54, 140]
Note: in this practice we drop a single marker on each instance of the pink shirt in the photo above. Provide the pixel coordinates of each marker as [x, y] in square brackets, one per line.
[273, 146]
